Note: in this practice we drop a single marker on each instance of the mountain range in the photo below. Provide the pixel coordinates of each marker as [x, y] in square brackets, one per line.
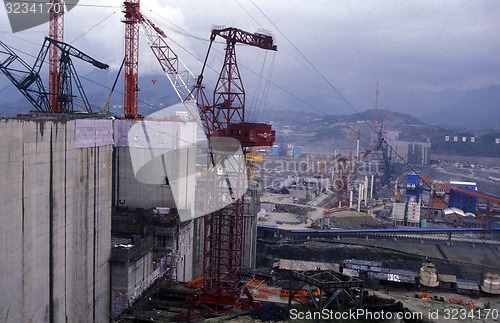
[474, 109]
[470, 110]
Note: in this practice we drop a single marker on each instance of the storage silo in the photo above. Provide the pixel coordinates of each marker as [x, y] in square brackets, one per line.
[398, 213]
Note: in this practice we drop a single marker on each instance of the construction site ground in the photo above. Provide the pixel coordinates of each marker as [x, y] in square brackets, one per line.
[445, 310]
[295, 216]
[353, 220]
[430, 311]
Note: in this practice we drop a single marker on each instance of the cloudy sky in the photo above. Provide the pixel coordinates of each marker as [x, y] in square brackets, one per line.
[325, 47]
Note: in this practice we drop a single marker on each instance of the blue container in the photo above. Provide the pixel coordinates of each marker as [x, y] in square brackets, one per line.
[274, 151]
[281, 150]
[297, 151]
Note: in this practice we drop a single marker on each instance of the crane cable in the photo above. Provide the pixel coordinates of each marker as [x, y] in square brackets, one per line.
[90, 29]
[106, 106]
[267, 86]
[254, 106]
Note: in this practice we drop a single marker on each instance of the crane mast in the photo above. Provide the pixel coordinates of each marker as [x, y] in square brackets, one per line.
[181, 78]
[375, 114]
[56, 32]
[132, 18]
[229, 94]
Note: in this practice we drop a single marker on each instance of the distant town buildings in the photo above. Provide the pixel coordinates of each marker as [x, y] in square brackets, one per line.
[283, 150]
[411, 152]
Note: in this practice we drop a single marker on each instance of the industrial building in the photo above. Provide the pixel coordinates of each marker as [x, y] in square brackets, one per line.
[411, 152]
[282, 150]
[454, 204]
[463, 201]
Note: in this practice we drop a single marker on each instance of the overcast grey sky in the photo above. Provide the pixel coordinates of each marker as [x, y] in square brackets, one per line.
[407, 46]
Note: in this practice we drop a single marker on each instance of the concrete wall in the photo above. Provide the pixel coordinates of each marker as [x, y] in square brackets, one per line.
[189, 264]
[249, 241]
[184, 263]
[129, 280]
[55, 222]
[147, 152]
[131, 192]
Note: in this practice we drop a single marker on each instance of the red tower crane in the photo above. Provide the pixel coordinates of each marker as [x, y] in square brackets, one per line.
[223, 229]
[131, 10]
[56, 32]
[224, 118]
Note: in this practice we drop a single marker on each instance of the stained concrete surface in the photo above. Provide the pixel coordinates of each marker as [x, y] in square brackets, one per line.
[55, 223]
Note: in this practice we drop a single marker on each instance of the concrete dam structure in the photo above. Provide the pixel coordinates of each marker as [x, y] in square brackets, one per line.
[62, 178]
[55, 220]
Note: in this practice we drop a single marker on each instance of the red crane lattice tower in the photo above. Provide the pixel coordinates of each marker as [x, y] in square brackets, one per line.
[56, 32]
[131, 9]
[223, 229]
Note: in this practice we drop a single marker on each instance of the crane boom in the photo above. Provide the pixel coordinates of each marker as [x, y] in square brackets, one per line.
[181, 78]
[68, 75]
[72, 51]
[225, 117]
[24, 78]
[27, 79]
[235, 35]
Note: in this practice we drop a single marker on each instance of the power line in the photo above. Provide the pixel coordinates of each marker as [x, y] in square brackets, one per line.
[87, 31]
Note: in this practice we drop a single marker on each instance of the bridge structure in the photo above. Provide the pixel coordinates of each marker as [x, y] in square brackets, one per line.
[477, 235]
